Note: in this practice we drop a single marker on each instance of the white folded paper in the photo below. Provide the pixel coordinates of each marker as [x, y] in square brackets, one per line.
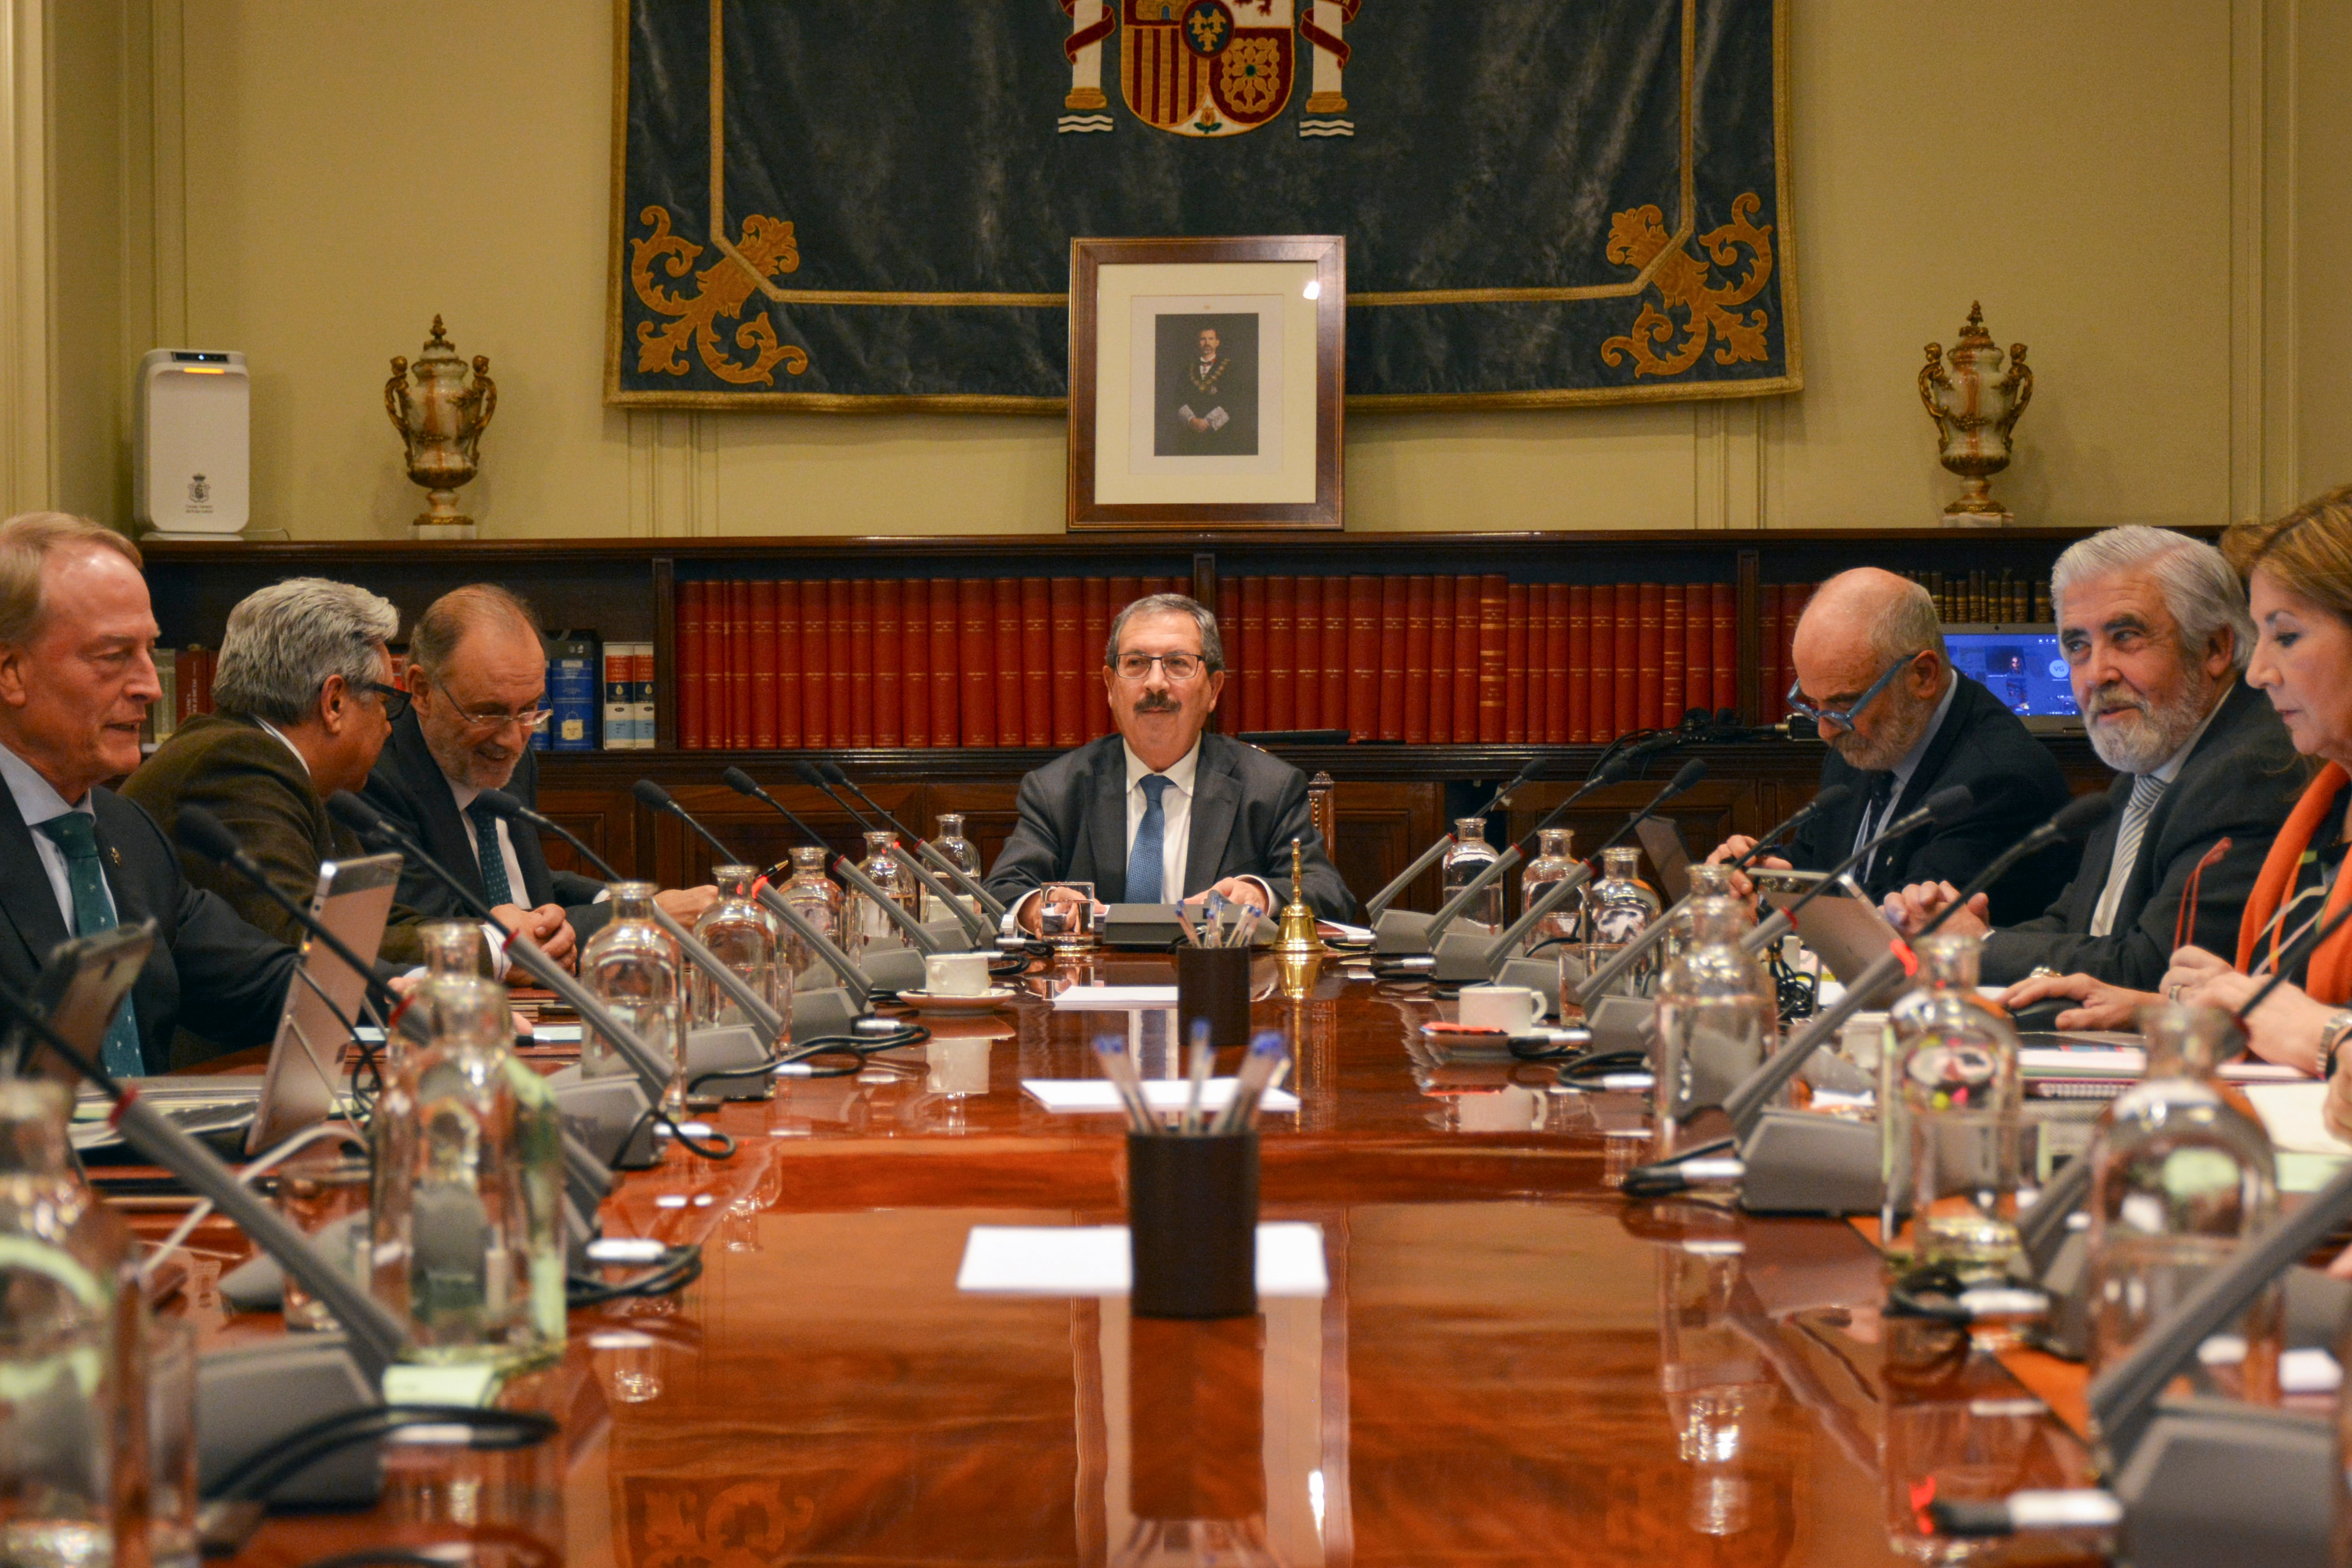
[2290, 1114]
[1113, 999]
[1099, 1096]
[2130, 1062]
[1094, 1260]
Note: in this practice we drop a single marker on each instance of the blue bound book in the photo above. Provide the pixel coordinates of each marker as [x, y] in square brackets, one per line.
[574, 692]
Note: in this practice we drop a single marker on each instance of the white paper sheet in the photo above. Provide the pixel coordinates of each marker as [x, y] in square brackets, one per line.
[1113, 999]
[1092, 1260]
[1099, 1096]
[2290, 1112]
[2130, 1062]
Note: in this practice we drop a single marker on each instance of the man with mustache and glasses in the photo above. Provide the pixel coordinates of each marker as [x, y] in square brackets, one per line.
[2156, 633]
[1901, 725]
[1162, 812]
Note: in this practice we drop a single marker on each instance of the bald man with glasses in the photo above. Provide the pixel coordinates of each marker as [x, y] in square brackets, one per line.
[1902, 724]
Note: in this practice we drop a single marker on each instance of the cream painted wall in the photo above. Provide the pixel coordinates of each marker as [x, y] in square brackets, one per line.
[352, 169]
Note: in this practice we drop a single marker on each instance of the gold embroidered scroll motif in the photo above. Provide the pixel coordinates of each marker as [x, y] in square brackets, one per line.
[1683, 283]
[721, 291]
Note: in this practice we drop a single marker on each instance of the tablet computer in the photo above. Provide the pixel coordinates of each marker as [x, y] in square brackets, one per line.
[305, 1078]
[1844, 928]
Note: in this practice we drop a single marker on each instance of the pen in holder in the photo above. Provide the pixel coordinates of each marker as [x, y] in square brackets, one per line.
[1214, 982]
[1191, 1215]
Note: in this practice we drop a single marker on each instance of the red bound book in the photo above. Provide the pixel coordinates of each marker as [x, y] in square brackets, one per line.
[1246, 652]
[1036, 662]
[1005, 633]
[1094, 605]
[763, 665]
[946, 663]
[915, 661]
[789, 701]
[1555, 729]
[1466, 660]
[1307, 622]
[1281, 653]
[1723, 623]
[1649, 654]
[841, 613]
[1794, 596]
[816, 665]
[1698, 647]
[1069, 661]
[977, 596]
[1519, 681]
[1605, 727]
[1774, 680]
[738, 665]
[1579, 664]
[1674, 655]
[1441, 661]
[207, 671]
[1124, 592]
[890, 615]
[688, 672]
[1391, 657]
[1363, 658]
[1416, 660]
[1335, 624]
[861, 664]
[1625, 658]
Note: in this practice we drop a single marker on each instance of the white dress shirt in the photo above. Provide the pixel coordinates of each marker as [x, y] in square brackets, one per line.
[1905, 767]
[38, 801]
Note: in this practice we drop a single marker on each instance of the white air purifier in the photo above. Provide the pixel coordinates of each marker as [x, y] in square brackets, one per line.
[192, 450]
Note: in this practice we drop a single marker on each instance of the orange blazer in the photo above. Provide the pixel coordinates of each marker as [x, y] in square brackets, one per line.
[2330, 976]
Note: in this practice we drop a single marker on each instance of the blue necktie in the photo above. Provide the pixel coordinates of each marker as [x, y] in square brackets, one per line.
[75, 834]
[1145, 878]
[491, 859]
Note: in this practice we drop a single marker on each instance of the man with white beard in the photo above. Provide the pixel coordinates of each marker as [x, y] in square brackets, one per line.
[2156, 635]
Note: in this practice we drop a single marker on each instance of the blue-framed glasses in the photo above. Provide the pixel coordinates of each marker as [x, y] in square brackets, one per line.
[1842, 719]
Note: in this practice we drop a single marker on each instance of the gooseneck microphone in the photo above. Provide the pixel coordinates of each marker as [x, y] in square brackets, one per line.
[723, 974]
[923, 846]
[970, 924]
[921, 940]
[372, 827]
[1538, 767]
[1597, 982]
[1943, 806]
[202, 834]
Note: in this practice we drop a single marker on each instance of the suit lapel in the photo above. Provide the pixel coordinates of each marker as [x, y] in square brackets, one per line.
[445, 830]
[2099, 851]
[1107, 827]
[1216, 798]
[27, 898]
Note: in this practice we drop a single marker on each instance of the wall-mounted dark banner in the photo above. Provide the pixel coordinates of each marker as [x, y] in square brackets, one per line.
[870, 202]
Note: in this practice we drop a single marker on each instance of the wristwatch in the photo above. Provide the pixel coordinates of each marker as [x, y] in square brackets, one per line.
[2331, 1040]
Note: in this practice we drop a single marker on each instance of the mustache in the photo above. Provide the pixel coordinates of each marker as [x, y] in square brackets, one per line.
[1155, 701]
[2111, 698]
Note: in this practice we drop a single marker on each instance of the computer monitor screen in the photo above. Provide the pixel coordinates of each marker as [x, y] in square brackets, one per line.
[2020, 665]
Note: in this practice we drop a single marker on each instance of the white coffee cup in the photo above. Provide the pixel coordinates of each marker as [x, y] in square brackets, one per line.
[1513, 1009]
[955, 974]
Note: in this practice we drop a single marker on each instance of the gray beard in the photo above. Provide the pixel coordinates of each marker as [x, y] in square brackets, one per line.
[2157, 733]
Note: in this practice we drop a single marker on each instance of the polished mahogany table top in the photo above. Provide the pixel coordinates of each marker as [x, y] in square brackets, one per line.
[1514, 1365]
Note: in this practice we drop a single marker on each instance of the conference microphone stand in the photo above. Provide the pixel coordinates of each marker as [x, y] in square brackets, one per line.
[963, 879]
[1943, 806]
[1598, 981]
[1378, 904]
[970, 924]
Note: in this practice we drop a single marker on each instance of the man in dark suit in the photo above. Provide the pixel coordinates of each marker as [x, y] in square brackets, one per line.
[77, 674]
[478, 683]
[1208, 391]
[1162, 811]
[2156, 633]
[1901, 725]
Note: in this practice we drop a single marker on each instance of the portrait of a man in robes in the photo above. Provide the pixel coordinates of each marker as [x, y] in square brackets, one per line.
[1206, 404]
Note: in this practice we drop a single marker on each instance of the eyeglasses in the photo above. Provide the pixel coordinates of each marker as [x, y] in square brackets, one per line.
[395, 701]
[1178, 667]
[528, 721]
[1842, 719]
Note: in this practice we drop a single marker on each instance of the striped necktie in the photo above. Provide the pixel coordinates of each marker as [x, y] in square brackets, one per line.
[2146, 790]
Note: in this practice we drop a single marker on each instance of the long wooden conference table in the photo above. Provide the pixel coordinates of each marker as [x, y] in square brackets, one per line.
[1512, 1363]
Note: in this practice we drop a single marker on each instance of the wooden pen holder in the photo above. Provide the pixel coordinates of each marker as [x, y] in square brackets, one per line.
[1192, 1220]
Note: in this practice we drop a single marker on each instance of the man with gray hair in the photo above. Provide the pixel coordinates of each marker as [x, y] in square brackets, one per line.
[1901, 725]
[1162, 812]
[2154, 632]
[305, 701]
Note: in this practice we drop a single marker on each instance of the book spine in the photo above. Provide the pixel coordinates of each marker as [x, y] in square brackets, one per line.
[617, 734]
[1493, 648]
[164, 712]
[690, 597]
[1069, 661]
[861, 663]
[645, 705]
[1124, 592]
[977, 595]
[1775, 678]
[573, 691]
[1281, 653]
[1674, 651]
[1246, 652]
[1335, 652]
[1094, 602]
[1554, 726]
[1363, 658]
[1391, 657]
[1441, 660]
[1579, 664]
[1723, 623]
[1466, 660]
[889, 713]
[1522, 686]
[1649, 653]
[1416, 660]
[1699, 648]
[945, 670]
[738, 665]
[915, 661]
[1036, 662]
[1605, 725]
[763, 665]
[1308, 620]
[1625, 658]
[841, 612]
[1794, 597]
[816, 665]
[1004, 631]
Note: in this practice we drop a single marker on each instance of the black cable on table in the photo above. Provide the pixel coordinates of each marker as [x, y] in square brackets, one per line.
[256, 1475]
[679, 1268]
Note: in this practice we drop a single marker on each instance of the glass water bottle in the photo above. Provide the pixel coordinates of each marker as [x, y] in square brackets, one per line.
[1469, 855]
[1949, 1120]
[742, 936]
[634, 967]
[1555, 858]
[1717, 1019]
[874, 927]
[467, 1215]
[951, 843]
[1618, 908]
[452, 949]
[2181, 1172]
[816, 898]
[73, 1397]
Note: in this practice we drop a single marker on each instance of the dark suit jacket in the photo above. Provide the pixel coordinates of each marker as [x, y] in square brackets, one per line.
[1246, 808]
[2239, 783]
[210, 971]
[2017, 787]
[409, 788]
[260, 790]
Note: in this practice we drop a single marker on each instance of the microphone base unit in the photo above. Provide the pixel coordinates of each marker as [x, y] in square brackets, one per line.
[1539, 975]
[726, 1048]
[251, 1398]
[1622, 1023]
[2214, 1482]
[1800, 1162]
[609, 1116]
[1461, 958]
[826, 1011]
[1402, 933]
[894, 966]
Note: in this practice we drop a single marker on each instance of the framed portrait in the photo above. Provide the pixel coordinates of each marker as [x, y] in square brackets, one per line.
[1205, 382]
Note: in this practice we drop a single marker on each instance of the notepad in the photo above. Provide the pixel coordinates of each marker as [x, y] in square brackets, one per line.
[1095, 1260]
[2290, 1114]
[2129, 1061]
[1099, 1096]
[1113, 999]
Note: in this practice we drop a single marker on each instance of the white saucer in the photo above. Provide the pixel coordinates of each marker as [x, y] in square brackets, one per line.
[925, 1002]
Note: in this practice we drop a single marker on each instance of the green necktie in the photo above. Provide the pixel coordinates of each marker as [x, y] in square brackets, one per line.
[76, 833]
